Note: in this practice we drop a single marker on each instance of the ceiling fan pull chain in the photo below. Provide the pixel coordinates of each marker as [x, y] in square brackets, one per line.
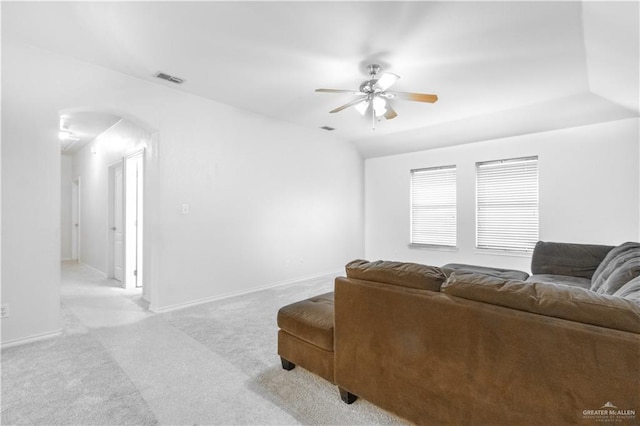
[373, 117]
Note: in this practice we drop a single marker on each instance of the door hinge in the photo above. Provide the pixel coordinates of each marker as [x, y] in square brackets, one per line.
[135, 273]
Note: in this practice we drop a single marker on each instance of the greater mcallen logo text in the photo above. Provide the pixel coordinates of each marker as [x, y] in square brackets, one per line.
[609, 412]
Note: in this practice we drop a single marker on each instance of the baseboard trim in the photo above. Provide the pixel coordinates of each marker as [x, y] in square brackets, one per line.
[31, 339]
[162, 309]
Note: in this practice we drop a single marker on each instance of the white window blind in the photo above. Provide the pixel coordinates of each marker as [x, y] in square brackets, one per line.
[433, 206]
[507, 204]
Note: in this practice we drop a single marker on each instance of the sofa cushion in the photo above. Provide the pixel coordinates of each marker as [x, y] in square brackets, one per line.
[574, 260]
[310, 320]
[570, 303]
[621, 265]
[511, 274]
[561, 279]
[412, 275]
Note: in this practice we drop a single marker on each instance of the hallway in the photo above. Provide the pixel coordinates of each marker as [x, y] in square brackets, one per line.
[90, 300]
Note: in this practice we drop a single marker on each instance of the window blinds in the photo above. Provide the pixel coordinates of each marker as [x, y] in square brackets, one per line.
[507, 204]
[433, 206]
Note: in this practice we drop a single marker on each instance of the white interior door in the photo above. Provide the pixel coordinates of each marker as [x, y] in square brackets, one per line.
[133, 219]
[139, 209]
[118, 223]
[75, 219]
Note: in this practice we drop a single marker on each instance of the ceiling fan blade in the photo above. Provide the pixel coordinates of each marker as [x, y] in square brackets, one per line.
[418, 97]
[337, 91]
[385, 81]
[391, 114]
[347, 105]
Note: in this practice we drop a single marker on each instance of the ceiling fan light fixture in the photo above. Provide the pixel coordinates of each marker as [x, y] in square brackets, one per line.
[362, 107]
[379, 106]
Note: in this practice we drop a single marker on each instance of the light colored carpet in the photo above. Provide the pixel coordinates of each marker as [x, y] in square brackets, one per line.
[216, 363]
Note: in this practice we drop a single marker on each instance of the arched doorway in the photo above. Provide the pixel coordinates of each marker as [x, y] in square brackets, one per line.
[113, 156]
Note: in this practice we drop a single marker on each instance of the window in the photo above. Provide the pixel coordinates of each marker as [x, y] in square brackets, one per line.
[507, 204]
[433, 206]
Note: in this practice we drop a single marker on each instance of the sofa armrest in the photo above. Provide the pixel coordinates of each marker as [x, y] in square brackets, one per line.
[574, 260]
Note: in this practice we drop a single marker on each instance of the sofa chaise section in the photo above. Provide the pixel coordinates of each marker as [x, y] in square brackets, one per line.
[305, 337]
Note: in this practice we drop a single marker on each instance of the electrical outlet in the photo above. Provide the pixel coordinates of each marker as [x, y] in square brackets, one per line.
[185, 209]
[4, 311]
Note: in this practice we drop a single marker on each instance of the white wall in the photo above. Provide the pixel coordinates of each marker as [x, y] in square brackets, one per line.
[30, 209]
[93, 170]
[589, 188]
[66, 225]
[270, 201]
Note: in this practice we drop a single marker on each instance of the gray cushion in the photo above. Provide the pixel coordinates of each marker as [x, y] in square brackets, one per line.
[621, 265]
[630, 290]
[561, 279]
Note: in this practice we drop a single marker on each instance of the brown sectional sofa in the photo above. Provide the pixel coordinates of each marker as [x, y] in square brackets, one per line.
[464, 344]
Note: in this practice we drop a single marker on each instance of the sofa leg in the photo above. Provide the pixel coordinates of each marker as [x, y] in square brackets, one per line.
[347, 397]
[287, 365]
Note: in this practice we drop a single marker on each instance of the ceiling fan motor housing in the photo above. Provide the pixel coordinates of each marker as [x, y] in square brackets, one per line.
[368, 86]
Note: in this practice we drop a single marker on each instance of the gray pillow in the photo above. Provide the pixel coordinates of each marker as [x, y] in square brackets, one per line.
[630, 290]
[621, 265]
[573, 260]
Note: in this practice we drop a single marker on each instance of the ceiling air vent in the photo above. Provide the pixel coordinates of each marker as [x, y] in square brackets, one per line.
[170, 78]
[327, 128]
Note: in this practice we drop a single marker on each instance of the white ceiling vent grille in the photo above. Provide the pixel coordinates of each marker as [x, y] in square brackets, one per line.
[170, 78]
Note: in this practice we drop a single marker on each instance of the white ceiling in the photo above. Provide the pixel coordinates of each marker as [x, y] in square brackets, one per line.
[499, 68]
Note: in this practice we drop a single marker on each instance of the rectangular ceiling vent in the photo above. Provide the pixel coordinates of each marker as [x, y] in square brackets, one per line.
[170, 78]
[327, 128]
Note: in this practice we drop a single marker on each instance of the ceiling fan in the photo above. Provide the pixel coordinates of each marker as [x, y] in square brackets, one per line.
[373, 95]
